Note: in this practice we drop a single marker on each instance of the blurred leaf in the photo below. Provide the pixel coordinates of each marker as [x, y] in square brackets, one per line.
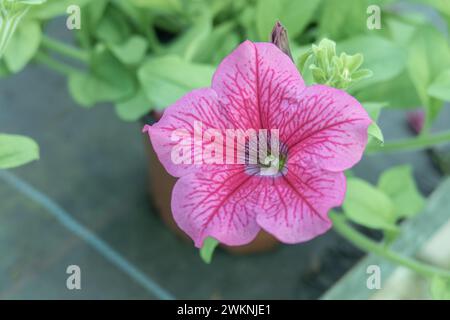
[374, 109]
[383, 57]
[95, 9]
[189, 44]
[91, 15]
[16, 150]
[429, 55]
[3, 69]
[132, 51]
[160, 6]
[400, 31]
[107, 81]
[11, 14]
[294, 15]
[389, 236]
[220, 42]
[343, 18]
[247, 19]
[206, 252]
[230, 42]
[375, 132]
[399, 92]
[30, 2]
[440, 87]
[440, 288]
[166, 79]
[368, 206]
[53, 8]
[441, 5]
[113, 27]
[141, 19]
[398, 183]
[23, 45]
[134, 108]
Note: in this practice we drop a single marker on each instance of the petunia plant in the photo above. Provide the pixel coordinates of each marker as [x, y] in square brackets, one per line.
[261, 150]
[322, 133]
[261, 131]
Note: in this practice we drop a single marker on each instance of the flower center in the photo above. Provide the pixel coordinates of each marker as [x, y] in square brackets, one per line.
[269, 166]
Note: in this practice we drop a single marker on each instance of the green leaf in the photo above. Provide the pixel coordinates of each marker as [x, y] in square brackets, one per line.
[429, 55]
[3, 69]
[53, 8]
[362, 74]
[23, 45]
[440, 288]
[91, 15]
[139, 18]
[190, 43]
[440, 87]
[132, 51]
[383, 57]
[441, 5]
[30, 2]
[206, 252]
[160, 6]
[398, 183]
[398, 92]
[134, 108]
[107, 81]
[219, 43]
[113, 27]
[166, 79]
[343, 18]
[294, 15]
[247, 19]
[374, 109]
[368, 206]
[11, 14]
[389, 236]
[16, 150]
[375, 132]
[400, 31]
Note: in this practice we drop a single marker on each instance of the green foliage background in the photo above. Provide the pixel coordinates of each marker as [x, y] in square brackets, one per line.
[142, 55]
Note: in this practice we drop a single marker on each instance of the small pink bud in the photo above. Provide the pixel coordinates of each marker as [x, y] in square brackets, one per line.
[416, 120]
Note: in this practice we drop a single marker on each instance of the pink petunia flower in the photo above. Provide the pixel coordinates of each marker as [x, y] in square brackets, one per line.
[322, 131]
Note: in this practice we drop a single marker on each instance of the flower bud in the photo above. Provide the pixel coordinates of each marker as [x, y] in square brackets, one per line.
[330, 69]
[279, 38]
[416, 120]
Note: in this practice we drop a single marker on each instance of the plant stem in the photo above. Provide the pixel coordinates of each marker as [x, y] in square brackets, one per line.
[60, 67]
[364, 243]
[64, 49]
[418, 143]
[152, 38]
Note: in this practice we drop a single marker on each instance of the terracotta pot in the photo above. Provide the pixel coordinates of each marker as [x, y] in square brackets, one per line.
[161, 185]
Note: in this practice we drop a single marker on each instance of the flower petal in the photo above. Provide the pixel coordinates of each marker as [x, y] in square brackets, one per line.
[177, 127]
[296, 204]
[328, 126]
[254, 82]
[219, 203]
